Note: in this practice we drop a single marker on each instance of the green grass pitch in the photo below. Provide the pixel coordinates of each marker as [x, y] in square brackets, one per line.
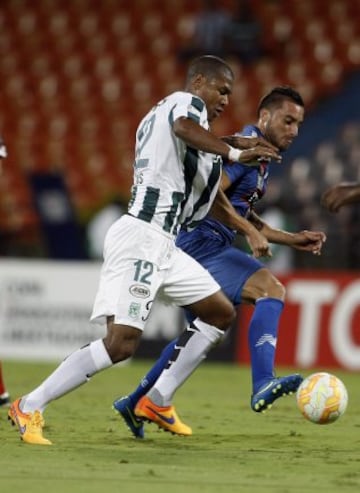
[233, 449]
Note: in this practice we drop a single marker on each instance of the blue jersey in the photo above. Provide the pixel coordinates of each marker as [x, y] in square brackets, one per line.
[210, 242]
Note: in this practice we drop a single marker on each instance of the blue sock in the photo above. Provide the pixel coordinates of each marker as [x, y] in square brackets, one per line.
[262, 337]
[153, 374]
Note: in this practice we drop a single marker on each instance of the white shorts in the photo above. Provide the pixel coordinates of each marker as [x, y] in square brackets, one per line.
[141, 263]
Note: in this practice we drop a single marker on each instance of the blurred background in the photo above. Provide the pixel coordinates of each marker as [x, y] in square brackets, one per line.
[76, 77]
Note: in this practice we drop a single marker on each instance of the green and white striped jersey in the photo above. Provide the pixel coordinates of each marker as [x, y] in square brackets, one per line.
[174, 184]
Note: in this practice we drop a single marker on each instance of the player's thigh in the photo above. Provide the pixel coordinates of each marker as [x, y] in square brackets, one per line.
[190, 285]
[186, 281]
[231, 268]
[126, 296]
[130, 276]
[215, 310]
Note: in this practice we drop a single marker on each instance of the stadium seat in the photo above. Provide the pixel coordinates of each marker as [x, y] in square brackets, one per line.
[66, 65]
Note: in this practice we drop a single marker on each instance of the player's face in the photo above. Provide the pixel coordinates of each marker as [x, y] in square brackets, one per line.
[215, 93]
[281, 125]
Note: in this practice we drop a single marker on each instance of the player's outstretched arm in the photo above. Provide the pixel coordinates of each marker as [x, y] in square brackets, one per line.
[196, 136]
[199, 138]
[339, 195]
[310, 241]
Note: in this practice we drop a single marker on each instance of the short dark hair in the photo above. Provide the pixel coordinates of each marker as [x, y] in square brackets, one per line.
[209, 66]
[277, 95]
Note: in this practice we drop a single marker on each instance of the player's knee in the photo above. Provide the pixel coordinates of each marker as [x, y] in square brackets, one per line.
[276, 289]
[229, 316]
[121, 341]
[263, 284]
[225, 317]
[119, 352]
[273, 288]
[216, 310]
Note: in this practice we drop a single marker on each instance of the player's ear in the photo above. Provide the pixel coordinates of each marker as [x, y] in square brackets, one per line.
[197, 81]
[264, 116]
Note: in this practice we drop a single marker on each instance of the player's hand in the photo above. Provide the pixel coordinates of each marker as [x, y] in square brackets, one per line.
[256, 155]
[337, 196]
[254, 149]
[309, 241]
[242, 142]
[258, 244]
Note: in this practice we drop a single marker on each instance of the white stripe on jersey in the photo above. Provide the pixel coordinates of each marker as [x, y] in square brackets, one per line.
[173, 184]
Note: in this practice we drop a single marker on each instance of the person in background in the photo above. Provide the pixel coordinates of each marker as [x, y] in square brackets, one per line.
[3, 152]
[4, 394]
[243, 34]
[337, 196]
[211, 24]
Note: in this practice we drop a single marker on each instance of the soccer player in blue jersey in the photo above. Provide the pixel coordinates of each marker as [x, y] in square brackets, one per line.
[177, 171]
[242, 277]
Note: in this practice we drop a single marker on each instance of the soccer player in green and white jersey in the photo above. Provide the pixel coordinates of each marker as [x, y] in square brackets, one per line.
[176, 175]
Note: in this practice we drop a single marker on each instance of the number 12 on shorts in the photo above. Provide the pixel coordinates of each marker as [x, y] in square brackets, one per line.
[143, 271]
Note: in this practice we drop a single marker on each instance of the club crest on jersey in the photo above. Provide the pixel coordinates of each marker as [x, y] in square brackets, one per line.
[134, 310]
[139, 291]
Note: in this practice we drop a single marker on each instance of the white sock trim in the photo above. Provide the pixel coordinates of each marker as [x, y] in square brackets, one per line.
[99, 355]
[213, 334]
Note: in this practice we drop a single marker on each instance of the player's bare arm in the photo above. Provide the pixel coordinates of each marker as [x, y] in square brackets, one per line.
[197, 137]
[244, 142]
[311, 241]
[339, 195]
[223, 211]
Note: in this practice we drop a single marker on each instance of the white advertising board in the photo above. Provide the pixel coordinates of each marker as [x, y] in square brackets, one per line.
[45, 308]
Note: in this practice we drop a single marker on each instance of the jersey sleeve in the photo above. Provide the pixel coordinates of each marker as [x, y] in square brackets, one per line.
[188, 106]
[235, 171]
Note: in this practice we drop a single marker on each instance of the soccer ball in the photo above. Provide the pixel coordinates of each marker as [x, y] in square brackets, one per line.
[322, 398]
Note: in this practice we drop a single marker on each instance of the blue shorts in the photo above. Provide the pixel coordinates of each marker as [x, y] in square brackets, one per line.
[229, 266]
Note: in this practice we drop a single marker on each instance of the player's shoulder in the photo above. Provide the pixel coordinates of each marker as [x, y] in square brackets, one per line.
[188, 98]
[249, 130]
[238, 170]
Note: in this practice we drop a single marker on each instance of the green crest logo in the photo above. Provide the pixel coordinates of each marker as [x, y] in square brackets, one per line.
[134, 310]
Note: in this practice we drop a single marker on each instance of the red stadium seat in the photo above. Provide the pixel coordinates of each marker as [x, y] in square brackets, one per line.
[78, 76]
